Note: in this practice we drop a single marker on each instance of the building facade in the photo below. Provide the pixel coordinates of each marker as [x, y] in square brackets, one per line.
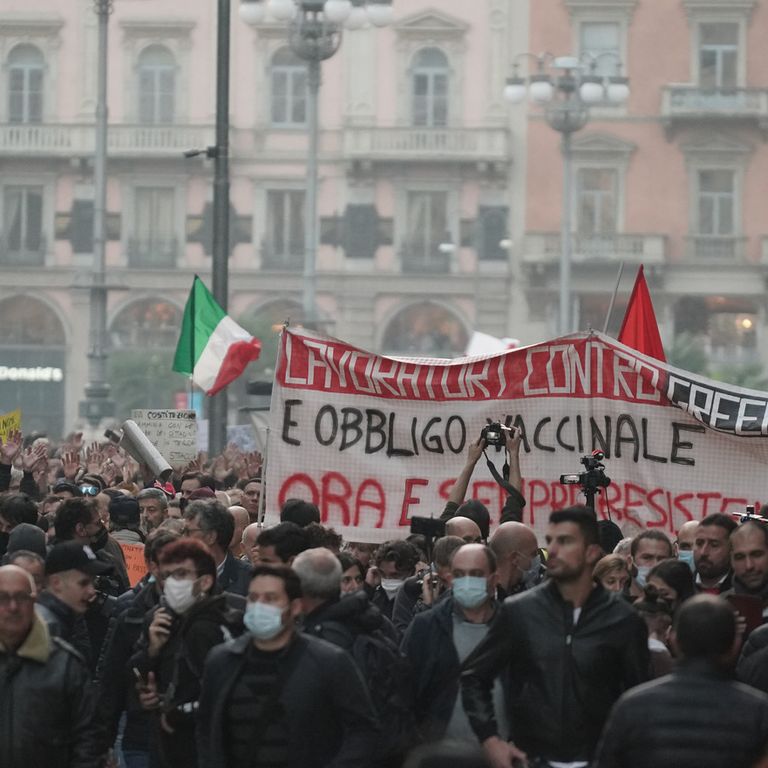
[420, 192]
[674, 179]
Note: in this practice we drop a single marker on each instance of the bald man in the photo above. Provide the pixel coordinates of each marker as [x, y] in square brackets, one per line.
[46, 688]
[684, 543]
[250, 535]
[241, 523]
[464, 528]
[517, 556]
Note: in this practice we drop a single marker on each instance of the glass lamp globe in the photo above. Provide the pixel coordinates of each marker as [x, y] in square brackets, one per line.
[281, 10]
[337, 11]
[358, 18]
[618, 90]
[591, 90]
[252, 11]
[541, 89]
[515, 90]
[380, 14]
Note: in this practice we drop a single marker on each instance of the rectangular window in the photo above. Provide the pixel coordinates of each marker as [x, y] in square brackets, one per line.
[289, 95]
[718, 56]
[25, 95]
[23, 241]
[285, 240]
[427, 230]
[598, 38]
[597, 201]
[430, 99]
[717, 203]
[154, 242]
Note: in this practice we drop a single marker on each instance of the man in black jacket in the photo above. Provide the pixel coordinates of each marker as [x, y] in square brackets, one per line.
[572, 650]
[697, 717]
[277, 697]
[46, 704]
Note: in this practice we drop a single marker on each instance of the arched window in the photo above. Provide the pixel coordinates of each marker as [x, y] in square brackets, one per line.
[431, 77]
[144, 336]
[425, 330]
[289, 89]
[25, 84]
[25, 321]
[157, 85]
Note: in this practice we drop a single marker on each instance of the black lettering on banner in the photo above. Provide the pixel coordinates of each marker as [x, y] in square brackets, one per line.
[326, 409]
[432, 443]
[391, 450]
[580, 433]
[288, 423]
[374, 425]
[414, 442]
[683, 445]
[519, 424]
[559, 435]
[537, 433]
[646, 453]
[459, 448]
[351, 418]
[631, 439]
[599, 437]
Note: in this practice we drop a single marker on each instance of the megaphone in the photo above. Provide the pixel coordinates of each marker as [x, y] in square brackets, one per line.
[138, 445]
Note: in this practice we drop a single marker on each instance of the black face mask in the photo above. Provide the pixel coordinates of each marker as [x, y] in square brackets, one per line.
[4, 539]
[100, 539]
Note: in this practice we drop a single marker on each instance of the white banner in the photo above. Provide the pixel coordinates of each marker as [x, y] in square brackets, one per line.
[374, 440]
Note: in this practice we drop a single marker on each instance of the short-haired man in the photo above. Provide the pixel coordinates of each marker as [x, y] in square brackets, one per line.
[465, 529]
[191, 621]
[278, 696]
[395, 561]
[209, 521]
[438, 642]
[686, 536]
[749, 561]
[280, 544]
[697, 717]
[712, 554]
[252, 488]
[46, 703]
[571, 649]
[648, 549]
[300, 512]
[193, 481]
[153, 506]
[250, 549]
[517, 557]
[69, 590]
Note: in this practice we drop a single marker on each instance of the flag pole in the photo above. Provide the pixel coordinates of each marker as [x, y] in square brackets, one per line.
[613, 298]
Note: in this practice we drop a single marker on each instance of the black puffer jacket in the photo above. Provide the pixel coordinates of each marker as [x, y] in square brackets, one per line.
[697, 717]
[563, 679]
[47, 707]
[753, 664]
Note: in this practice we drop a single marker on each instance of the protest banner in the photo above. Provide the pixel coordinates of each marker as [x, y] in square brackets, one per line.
[374, 440]
[172, 432]
[9, 422]
[134, 561]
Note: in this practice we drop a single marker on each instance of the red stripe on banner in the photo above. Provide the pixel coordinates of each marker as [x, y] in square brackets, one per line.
[237, 358]
[584, 367]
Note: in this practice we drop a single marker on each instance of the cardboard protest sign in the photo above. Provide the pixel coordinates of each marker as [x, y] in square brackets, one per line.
[375, 440]
[134, 562]
[9, 422]
[172, 432]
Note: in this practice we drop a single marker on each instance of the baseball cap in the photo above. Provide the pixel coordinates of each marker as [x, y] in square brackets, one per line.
[74, 556]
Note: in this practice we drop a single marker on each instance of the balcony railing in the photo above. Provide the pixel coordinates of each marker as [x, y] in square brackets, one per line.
[68, 139]
[418, 261]
[152, 252]
[427, 144]
[692, 102]
[30, 253]
[712, 249]
[546, 246]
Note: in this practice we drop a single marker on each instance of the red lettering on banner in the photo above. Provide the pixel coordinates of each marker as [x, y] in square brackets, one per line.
[378, 504]
[339, 498]
[663, 515]
[409, 498]
[291, 486]
[444, 491]
[486, 492]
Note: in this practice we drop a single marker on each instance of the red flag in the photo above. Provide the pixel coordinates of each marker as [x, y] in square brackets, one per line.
[639, 329]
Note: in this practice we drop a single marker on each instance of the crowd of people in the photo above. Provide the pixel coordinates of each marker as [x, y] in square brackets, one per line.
[473, 643]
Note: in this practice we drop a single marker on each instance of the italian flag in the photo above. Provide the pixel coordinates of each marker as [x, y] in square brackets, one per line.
[213, 349]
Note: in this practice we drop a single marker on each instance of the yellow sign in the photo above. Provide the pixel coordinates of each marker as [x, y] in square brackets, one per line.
[9, 422]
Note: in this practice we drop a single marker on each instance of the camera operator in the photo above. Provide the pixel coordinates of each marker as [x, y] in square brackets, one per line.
[473, 509]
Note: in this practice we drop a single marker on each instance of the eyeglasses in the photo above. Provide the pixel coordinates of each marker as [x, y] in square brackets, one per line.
[179, 573]
[20, 598]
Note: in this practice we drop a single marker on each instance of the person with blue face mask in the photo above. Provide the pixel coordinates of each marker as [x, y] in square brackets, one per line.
[686, 536]
[648, 549]
[439, 640]
[281, 697]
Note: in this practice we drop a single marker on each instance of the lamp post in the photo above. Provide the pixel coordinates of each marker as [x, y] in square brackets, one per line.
[566, 98]
[97, 404]
[314, 35]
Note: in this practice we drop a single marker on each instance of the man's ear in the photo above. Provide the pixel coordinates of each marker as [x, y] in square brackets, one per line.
[296, 608]
[594, 553]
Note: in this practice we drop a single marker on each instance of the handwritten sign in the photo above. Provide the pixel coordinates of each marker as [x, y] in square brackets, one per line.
[134, 562]
[172, 432]
[9, 422]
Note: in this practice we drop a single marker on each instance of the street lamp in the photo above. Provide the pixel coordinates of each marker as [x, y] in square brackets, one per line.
[566, 98]
[314, 35]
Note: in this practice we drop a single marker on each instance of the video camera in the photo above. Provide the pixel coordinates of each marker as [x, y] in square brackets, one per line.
[593, 479]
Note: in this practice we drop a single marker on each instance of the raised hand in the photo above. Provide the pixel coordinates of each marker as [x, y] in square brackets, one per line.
[10, 448]
[70, 463]
[34, 457]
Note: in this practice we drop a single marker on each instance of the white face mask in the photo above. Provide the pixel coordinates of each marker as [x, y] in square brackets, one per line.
[179, 594]
[390, 586]
[642, 574]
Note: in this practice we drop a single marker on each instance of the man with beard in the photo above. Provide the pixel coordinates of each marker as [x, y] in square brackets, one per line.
[712, 554]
